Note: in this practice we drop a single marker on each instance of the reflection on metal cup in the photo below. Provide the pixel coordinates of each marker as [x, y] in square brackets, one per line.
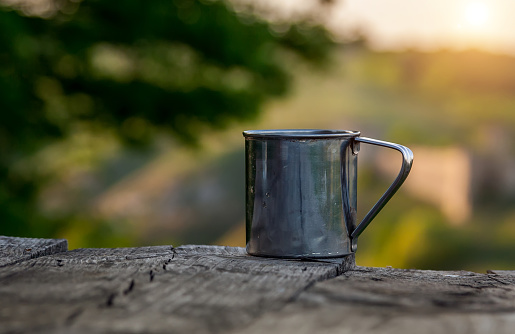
[301, 191]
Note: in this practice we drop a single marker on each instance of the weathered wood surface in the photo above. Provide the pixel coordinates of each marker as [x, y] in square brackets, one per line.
[13, 250]
[211, 289]
[198, 289]
[385, 300]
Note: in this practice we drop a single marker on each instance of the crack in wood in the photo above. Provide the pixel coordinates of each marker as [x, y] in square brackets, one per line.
[70, 319]
[129, 288]
[110, 299]
[497, 279]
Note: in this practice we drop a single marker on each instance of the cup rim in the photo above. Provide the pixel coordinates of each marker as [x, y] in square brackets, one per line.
[299, 133]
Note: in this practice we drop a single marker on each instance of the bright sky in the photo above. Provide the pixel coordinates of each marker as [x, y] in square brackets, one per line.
[429, 24]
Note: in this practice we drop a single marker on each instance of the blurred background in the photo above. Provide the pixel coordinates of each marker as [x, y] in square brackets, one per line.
[120, 124]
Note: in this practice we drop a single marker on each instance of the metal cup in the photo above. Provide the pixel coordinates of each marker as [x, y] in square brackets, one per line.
[301, 191]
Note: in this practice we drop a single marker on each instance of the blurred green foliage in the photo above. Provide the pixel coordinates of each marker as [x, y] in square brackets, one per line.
[130, 71]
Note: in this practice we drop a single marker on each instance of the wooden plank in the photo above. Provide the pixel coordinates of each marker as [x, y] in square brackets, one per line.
[14, 250]
[199, 289]
[385, 300]
[502, 272]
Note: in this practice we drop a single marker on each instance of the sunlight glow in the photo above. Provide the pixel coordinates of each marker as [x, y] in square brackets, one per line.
[476, 13]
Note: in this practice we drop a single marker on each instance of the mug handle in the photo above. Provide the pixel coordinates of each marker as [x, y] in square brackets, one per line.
[407, 162]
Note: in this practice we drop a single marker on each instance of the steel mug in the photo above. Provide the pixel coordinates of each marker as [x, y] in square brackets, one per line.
[301, 191]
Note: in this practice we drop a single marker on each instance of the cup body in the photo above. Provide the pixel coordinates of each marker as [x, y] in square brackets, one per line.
[300, 192]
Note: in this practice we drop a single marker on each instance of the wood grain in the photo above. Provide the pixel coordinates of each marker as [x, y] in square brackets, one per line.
[385, 300]
[200, 289]
[14, 250]
[213, 289]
